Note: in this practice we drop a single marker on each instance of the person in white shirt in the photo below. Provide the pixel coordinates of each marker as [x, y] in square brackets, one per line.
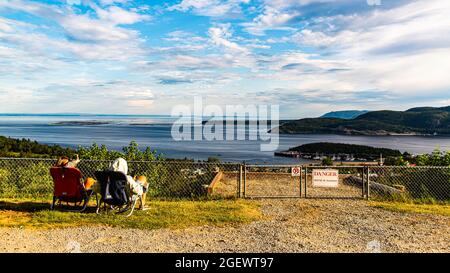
[121, 165]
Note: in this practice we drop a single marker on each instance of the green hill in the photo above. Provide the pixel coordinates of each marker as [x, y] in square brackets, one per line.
[419, 121]
[361, 151]
[10, 147]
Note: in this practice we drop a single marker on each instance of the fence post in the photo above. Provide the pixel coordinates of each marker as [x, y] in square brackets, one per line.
[363, 182]
[368, 183]
[301, 180]
[245, 178]
[238, 190]
[306, 180]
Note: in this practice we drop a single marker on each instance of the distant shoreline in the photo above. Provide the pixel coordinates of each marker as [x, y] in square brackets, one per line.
[368, 134]
[108, 122]
[74, 123]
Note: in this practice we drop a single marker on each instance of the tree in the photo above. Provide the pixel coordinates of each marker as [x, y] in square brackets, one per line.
[213, 159]
[327, 161]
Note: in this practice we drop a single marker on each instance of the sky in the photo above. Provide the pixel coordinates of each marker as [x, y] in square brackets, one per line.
[145, 57]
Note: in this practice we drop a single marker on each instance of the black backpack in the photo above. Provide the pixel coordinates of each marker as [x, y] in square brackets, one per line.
[113, 187]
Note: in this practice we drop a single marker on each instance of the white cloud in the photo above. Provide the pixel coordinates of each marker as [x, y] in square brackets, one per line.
[313, 38]
[111, 2]
[372, 59]
[119, 16]
[404, 51]
[88, 38]
[213, 8]
[285, 4]
[83, 28]
[221, 34]
[5, 25]
[270, 19]
[114, 97]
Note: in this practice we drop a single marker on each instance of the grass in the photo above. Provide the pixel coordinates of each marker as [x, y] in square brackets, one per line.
[438, 209]
[162, 214]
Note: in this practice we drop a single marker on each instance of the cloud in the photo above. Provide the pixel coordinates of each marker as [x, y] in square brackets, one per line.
[85, 29]
[270, 19]
[221, 36]
[111, 2]
[404, 49]
[86, 37]
[132, 58]
[118, 16]
[196, 77]
[84, 26]
[212, 8]
[289, 4]
[62, 53]
[115, 97]
[170, 81]
[180, 36]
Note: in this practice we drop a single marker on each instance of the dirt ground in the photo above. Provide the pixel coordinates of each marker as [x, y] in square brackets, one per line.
[296, 225]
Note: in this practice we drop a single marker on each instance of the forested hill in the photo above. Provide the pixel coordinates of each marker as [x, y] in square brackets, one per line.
[341, 148]
[10, 147]
[415, 121]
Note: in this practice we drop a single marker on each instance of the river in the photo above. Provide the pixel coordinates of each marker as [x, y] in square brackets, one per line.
[155, 131]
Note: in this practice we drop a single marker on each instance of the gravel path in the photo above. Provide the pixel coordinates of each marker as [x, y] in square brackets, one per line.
[291, 226]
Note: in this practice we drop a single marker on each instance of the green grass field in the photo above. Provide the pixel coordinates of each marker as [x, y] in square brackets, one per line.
[161, 214]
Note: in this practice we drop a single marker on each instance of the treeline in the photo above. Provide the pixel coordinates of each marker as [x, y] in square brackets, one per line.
[437, 158]
[130, 153]
[25, 148]
[11, 147]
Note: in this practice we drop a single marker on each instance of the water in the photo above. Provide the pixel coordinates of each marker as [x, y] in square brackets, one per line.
[155, 131]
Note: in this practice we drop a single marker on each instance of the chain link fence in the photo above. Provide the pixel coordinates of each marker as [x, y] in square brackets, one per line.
[421, 184]
[350, 182]
[186, 179]
[167, 179]
[271, 181]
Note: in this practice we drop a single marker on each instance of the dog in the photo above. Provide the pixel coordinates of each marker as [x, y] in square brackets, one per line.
[64, 161]
[141, 179]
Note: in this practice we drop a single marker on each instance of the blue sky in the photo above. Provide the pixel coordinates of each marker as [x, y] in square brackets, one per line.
[144, 57]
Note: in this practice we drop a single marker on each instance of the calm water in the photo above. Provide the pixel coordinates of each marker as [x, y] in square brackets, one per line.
[155, 132]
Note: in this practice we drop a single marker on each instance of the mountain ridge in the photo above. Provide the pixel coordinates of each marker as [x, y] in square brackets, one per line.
[346, 114]
[414, 121]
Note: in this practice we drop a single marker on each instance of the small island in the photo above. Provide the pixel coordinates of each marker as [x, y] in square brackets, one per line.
[80, 123]
[338, 152]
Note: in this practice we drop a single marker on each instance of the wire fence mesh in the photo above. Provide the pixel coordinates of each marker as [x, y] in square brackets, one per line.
[22, 177]
[422, 184]
[271, 181]
[170, 179]
[348, 182]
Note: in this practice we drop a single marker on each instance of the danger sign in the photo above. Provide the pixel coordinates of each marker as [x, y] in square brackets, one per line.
[296, 171]
[328, 178]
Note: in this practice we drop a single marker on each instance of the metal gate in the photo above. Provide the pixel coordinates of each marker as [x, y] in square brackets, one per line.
[271, 181]
[345, 182]
[280, 181]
